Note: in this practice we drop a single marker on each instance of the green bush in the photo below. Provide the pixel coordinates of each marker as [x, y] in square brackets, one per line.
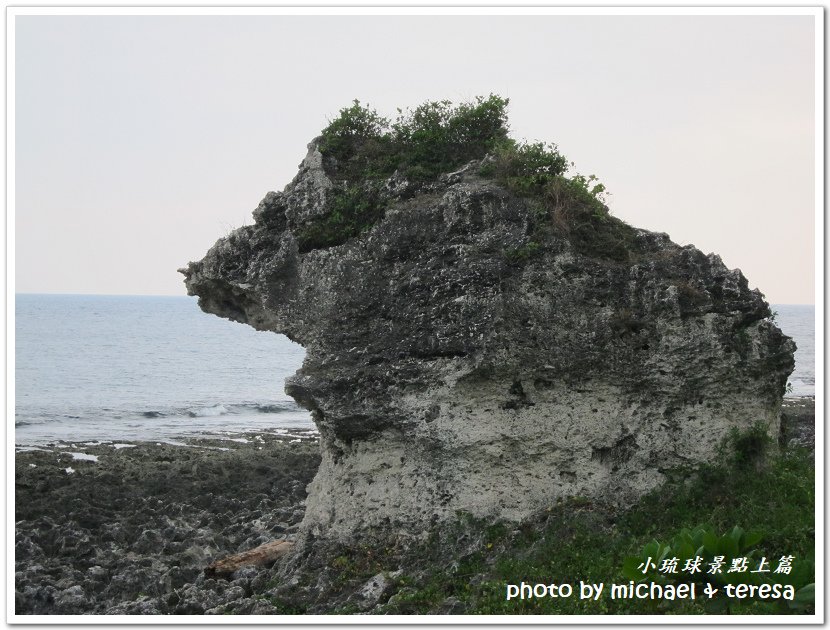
[356, 131]
[352, 209]
[571, 206]
[361, 148]
[526, 169]
[433, 138]
[436, 138]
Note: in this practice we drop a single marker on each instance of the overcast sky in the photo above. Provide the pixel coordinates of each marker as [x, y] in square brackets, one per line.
[141, 140]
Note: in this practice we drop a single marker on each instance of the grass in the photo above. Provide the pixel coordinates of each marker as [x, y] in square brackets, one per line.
[572, 207]
[284, 607]
[473, 561]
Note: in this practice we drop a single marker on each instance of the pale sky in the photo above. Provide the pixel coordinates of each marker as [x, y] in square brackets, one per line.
[141, 140]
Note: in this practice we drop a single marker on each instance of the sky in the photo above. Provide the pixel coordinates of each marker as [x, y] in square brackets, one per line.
[140, 140]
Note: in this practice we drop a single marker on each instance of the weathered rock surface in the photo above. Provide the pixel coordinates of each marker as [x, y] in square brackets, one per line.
[133, 532]
[798, 423]
[446, 375]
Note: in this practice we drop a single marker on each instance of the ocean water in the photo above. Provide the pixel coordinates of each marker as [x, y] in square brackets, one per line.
[798, 321]
[157, 368]
[128, 368]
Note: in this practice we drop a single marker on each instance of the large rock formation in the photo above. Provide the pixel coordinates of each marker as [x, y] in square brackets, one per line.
[455, 365]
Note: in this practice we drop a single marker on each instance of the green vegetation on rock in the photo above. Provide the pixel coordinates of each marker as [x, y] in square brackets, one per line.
[421, 144]
[700, 557]
[352, 209]
[571, 206]
[464, 567]
[361, 150]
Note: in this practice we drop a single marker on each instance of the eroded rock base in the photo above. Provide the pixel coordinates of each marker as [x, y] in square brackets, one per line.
[506, 455]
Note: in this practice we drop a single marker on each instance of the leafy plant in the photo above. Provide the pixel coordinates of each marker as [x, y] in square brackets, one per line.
[700, 556]
[686, 546]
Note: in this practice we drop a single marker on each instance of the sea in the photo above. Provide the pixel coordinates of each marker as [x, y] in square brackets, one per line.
[129, 368]
[125, 368]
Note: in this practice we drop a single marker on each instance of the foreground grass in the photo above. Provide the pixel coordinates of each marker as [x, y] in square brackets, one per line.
[751, 487]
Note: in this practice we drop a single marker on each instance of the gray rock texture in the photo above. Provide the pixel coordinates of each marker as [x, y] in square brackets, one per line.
[133, 532]
[798, 423]
[447, 374]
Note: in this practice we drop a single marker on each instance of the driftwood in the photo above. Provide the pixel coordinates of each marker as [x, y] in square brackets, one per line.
[256, 557]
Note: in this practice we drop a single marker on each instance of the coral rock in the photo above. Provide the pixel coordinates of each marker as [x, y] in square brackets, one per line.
[447, 374]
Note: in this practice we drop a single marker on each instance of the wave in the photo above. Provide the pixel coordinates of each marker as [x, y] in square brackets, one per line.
[207, 412]
[235, 409]
[279, 407]
[157, 414]
[222, 409]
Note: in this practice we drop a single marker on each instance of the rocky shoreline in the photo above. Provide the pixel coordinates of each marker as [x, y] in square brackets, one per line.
[132, 532]
[798, 422]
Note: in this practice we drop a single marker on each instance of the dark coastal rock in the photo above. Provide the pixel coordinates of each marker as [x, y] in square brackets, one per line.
[446, 373]
[798, 423]
[132, 533]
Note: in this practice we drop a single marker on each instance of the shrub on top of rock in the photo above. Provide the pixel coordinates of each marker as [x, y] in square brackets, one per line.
[361, 150]
[435, 137]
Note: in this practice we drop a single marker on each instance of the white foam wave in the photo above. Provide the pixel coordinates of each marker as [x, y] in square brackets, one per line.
[85, 457]
[207, 412]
